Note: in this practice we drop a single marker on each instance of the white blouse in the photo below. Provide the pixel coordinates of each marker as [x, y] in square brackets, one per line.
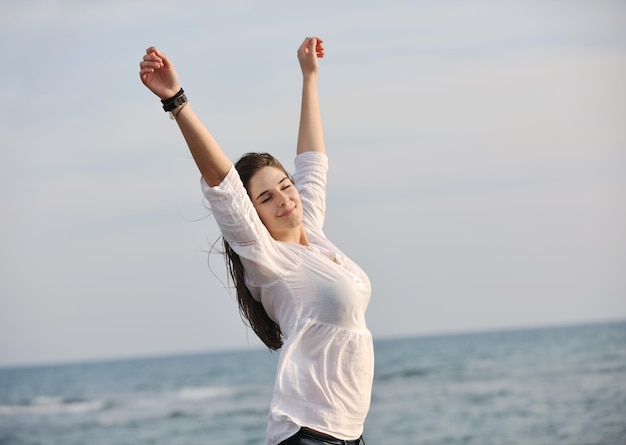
[318, 297]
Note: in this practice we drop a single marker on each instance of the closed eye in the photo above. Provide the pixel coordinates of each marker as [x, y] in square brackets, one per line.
[266, 195]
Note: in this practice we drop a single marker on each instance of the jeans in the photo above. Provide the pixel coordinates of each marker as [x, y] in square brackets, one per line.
[306, 437]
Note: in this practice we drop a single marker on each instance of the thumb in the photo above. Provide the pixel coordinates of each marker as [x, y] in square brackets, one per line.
[312, 45]
[164, 59]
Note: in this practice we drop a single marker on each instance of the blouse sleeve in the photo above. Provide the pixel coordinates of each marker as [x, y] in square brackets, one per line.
[242, 228]
[310, 178]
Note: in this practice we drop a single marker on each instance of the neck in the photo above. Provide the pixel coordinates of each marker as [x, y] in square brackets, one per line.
[295, 236]
[304, 241]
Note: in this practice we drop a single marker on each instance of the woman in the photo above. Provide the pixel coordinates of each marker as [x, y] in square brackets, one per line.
[295, 288]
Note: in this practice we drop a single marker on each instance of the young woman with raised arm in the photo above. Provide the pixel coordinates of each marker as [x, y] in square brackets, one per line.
[296, 289]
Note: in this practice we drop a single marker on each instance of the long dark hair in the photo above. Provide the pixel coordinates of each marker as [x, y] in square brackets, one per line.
[252, 311]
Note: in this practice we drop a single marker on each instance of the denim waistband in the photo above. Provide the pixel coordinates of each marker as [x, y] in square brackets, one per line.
[307, 437]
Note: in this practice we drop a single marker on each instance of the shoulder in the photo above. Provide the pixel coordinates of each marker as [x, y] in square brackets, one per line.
[310, 159]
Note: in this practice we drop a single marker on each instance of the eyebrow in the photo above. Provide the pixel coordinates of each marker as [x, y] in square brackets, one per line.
[267, 191]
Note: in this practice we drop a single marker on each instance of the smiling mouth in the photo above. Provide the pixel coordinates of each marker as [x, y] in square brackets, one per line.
[288, 212]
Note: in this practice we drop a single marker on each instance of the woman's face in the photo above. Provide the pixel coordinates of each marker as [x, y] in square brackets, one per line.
[278, 204]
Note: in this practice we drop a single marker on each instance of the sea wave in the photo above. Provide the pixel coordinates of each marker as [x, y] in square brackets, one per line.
[47, 405]
[193, 393]
[403, 374]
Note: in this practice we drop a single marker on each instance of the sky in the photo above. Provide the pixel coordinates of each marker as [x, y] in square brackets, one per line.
[477, 153]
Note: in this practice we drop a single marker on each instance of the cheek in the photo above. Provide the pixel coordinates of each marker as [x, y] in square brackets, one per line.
[295, 196]
[262, 211]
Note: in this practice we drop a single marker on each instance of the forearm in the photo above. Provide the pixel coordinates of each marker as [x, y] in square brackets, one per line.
[310, 133]
[209, 157]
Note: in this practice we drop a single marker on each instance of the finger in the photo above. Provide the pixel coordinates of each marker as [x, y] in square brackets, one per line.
[145, 77]
[303, 47]
[165, 61]
[319, 49]
[150, 66]
[309, 48]
[316, 46]
[152, 56]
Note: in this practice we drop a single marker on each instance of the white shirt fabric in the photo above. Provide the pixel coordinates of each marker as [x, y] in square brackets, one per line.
[318, 297]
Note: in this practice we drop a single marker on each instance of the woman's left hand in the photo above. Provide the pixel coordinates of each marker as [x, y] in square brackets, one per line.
[311, 49]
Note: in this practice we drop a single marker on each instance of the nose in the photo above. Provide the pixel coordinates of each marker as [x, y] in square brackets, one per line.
[283, 199]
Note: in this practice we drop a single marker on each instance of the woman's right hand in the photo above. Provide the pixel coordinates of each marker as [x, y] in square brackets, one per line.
[158, 74]
[309, 52]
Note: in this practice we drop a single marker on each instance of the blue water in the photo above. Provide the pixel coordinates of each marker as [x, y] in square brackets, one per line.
[553, 386]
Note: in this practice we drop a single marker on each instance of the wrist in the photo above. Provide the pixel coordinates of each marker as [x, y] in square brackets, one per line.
[176, 111]
[167, 93]
[175, 101]
[309, 78]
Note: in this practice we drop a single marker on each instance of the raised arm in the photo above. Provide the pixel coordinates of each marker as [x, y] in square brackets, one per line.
[310, 134]
[159, 75]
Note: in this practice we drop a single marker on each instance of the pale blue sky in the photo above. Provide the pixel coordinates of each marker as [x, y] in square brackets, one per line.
[478, 164]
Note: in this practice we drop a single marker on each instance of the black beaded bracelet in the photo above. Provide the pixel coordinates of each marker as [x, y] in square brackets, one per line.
[175, 101]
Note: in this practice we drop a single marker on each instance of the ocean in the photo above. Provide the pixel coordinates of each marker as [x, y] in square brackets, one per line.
[549, 386]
